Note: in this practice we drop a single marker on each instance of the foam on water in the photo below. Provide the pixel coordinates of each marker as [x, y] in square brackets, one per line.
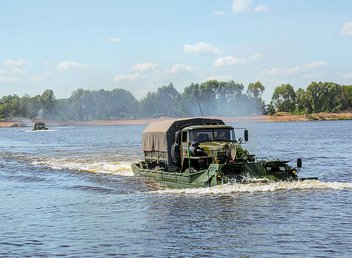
[116, 168]
[261, 187]
[39, 131]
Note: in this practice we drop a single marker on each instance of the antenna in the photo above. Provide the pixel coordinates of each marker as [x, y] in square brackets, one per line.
[200, 108]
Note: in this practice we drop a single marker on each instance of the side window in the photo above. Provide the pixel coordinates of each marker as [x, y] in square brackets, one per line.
[184, 136]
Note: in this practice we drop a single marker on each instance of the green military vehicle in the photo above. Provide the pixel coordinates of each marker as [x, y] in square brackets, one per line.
[38, 126]
[199, 152]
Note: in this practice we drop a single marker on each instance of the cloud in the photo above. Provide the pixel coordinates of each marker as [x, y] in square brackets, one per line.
[232, 60]
[346, 29]
[201, 48]
[218, 13]
[141, 67]
[315, 64]
[229, 60]
[240, 6]
[17, 71]
[13, 72]
[71, 65]
[220, 77]
[128, 77]
[255, 57]
[38, 78]
[295, 70]
[8, 77]
[113, 40]
[13, 63]
[347, 76]
[281, 71]
[178, 68]
[261, 9]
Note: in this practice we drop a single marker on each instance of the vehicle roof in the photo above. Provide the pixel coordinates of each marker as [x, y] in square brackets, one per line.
[160, 135]
[180, 123]
[196, 127]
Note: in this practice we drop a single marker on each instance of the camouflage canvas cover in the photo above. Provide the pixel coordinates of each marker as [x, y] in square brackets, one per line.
[160, 135]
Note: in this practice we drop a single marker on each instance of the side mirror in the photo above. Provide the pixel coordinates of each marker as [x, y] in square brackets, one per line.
[299, 162]
[246, 135]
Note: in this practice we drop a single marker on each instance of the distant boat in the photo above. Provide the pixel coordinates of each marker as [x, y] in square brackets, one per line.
[39, 126]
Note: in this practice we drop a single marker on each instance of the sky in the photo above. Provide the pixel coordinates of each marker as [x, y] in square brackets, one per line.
[141, 45]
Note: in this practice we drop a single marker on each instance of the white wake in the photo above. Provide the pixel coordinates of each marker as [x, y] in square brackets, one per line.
[261, 187]
[83, 165]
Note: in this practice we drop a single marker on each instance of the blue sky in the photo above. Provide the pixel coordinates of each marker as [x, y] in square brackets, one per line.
[140, 45]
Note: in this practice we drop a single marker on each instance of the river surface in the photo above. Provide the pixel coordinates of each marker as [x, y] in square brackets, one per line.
[70, 192]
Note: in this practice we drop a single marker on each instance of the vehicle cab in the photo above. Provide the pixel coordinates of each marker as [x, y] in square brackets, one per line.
[201, 144]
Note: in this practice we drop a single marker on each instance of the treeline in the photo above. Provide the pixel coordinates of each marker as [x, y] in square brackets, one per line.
[212, 98]
[317, 97]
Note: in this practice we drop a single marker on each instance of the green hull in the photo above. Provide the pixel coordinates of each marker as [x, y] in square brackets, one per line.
[218, 174]
[171, 179]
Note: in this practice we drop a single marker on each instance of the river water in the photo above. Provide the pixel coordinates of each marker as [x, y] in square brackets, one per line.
[70, 192]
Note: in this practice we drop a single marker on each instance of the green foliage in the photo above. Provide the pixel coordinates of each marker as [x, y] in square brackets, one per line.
[11, 107]
[216, 98]
[269, 109]
[164, 102]
[303, 105]
[324, 96]
[318, 97]
[346, 97]
[102, 104]
[284, 98]
[255, 91]
[47, 99]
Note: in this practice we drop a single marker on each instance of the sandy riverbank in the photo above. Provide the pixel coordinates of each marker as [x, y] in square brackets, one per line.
[286, 117]
[279, 117]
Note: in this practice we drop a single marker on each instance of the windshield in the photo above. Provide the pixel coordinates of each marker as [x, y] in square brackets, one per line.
[209, 134]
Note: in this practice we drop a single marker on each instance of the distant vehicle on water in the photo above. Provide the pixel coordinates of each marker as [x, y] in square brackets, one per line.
[37, 126]
[199, 152]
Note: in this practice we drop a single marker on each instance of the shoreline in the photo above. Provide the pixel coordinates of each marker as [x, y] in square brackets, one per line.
[278, 117]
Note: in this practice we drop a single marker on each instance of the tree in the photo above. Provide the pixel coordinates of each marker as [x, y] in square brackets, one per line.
[215, 98]
[77, 104]
[11, 106]
[333, 97]
[346, 97]
[189, 104]
[47, 100]
[269, 109]
[148, 105]
[30, 106]
[168, 100]
[102, 104]
[254, 92]
[284, 98]
[302, 102]
[324, 96]
[121, 103]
